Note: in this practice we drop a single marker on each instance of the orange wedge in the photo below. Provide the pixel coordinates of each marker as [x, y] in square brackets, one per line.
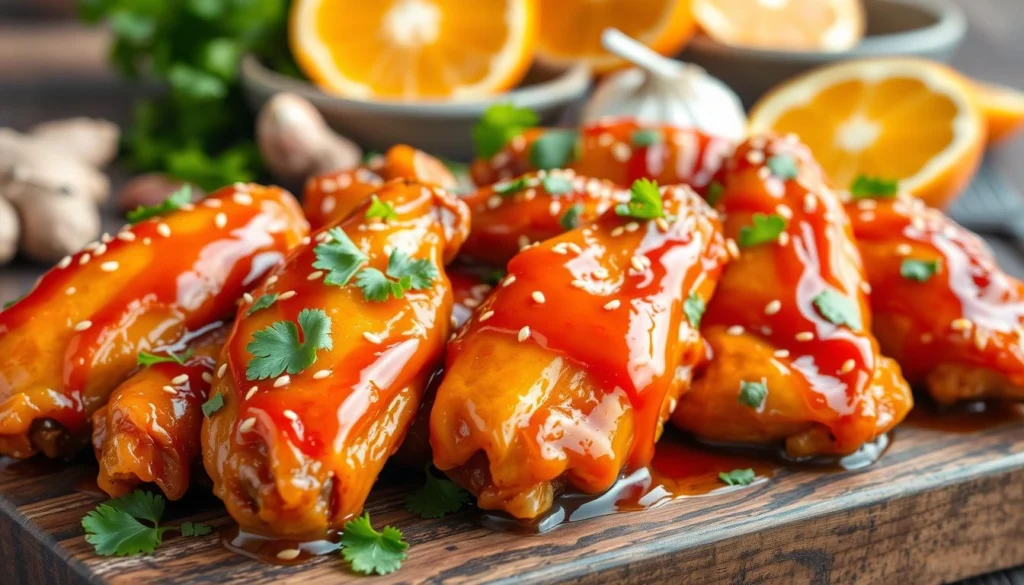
[570, 30]
[1003, 108]
[413, 49]
[784, 25]
[907, 119]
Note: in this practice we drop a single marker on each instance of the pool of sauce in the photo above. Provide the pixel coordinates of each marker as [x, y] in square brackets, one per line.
[966, 418]
[266, 548]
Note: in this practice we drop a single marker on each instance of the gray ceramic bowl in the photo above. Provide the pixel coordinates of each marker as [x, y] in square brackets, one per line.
[922, 28]
[439, 127]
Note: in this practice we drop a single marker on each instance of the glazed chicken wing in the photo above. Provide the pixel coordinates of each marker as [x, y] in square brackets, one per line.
[363, 313]
[149, 431]
[943, 309]
[564, 375]
[619, 150]
[794, 361]
[76, 335]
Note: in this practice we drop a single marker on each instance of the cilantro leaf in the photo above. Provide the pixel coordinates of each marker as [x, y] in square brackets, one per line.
[146, 359]
[211, 406]
[376, 286]
[919, 270]
[556, 185]
[763, 229]
[865, 187]
[499, 124]
[645, 137]
[436, 498]
[571, 218]
[381, 209]
[837, 309]
[753, 394]
[644, 201]
[738, 477]
[783, 166]
[694, 307]
[493, 277]
[340, 257]
[262, 303]
[173, 203]
[195, 529]
[114, 527]
[511, 187]
[370, 551]
[421, 273]
[714, 193]
[276, 349]
[554, 149]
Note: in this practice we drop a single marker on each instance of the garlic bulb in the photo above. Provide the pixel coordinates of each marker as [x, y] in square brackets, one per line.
[665, 91]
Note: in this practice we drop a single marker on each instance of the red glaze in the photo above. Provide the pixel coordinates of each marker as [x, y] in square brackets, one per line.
[333, 196]
[829, 390]
[76, 335]
[150, 429]
[511, 214]
[297, 455]
[607, 151]
[582, 395]
[959, 333]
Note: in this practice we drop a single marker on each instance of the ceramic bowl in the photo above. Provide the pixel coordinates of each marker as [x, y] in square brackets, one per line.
[439, 127]
[922, 28]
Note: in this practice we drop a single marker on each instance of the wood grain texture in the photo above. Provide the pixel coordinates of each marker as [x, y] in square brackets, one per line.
[938, 507]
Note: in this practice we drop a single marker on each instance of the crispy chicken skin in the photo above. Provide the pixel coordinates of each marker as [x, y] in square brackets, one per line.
[829, 390]
[333, 196]
[564, 375]
[76, 335]
[297, 454]
[620, 150]
[149, 430]
[958, 331]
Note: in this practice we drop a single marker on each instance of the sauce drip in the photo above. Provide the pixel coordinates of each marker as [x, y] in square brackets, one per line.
[267, 548]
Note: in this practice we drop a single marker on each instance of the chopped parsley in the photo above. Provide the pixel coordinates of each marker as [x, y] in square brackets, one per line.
[694, 307]
[571, 218]
[146, 359]
[340, 257]
[644, 201]
[556, 185]
[511, 187]
[172, 203]
[262, 303]
[211, 406]
[762, 230]
[738, 477]
[369, 551]
[130, 525]
[195, 529]
[554, 149]
[837, 309]
[381, 209]
[783, 166]
[277, 349]
[403, 274]
[645, 137]
[436, 498]
[919, 270]
[865, 187]
[753, 394]
[714, 193]
[499, 124]
[493, 277]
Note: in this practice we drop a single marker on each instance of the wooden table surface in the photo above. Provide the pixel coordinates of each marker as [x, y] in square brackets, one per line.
[51, 69]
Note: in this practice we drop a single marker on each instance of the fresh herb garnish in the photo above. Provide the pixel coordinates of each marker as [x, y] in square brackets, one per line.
[838, 309]
[644, 201]
[436, 498]
[116, 527]
[381, 209]
[554, 149]
[694, 307]
[555, 185]
[403, 274]
[783, 166]
[738, 477]
[369, 551]
[211, 406]
[195, 529]
[511, 187]
[340, 257]
[571, 218]
[919, 270]
[173, 203]
[865, 187]
[714, 193]
[762, 230]
[499, 124]
[276, 349]
[753, 394]
[493, 277]
[645, 137]
[262, 303]
[146, 359]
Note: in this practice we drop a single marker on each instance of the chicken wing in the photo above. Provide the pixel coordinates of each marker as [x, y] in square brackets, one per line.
[307, 424]
[564, 375]
[76, 335]
[789, 327]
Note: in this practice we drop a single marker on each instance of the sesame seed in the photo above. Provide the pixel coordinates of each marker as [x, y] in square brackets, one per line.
[471, 303]
[538, 297]
[64, 262]
[179, 379]
[290, 415]
[804, 336]
[783, 238]
[272, 280]
[560, 249]
[605, 139]
[612, 305]
[247, 425]
[164, 230]
[578, 283]
[600, 272]
[83, 325]
[91, 246]
[286, 295]
[810, 203]
[960, 324]
[328, 186]
[320, 375]
[251, 392]
[662, 224]
[554, 207]
[632, 226]
[371, 337]
[918, 224]
[735, 330]
[109, 266]
[755, 157]
[764, 173]
[220, 220]
[903, 249]
[146, 241]
[84, 259]
[524, 333]
[784, 211]
[781, 353]
[494, 201]
[223, 369]
[242, 198]
[288, 554]
[170, 390]
[211, 203]
[100, 250]
[867, 204]
[848, 366]
[618, 231]
[105, 238]
[524, 242]
[282, 381]
[70, 290]
[127, 236]
[865, 287]
[621, 151]
[773, 307]
[485, 316]
[637, 263]
[508, 280]
[207, 377]
[247, 297]
[315, 275]
[574, 247]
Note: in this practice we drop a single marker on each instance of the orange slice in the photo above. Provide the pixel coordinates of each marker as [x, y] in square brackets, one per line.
[906, 119]
[413, 49]
[785, 25]
[570, 30]
[1003, 108]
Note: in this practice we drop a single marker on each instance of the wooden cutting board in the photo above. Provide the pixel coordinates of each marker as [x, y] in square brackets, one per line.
[945, 502]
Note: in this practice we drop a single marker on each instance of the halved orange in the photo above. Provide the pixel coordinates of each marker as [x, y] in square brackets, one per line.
[907, 119]
[784, 25]
[570, 30]
[1003, 108]
[413, 49]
